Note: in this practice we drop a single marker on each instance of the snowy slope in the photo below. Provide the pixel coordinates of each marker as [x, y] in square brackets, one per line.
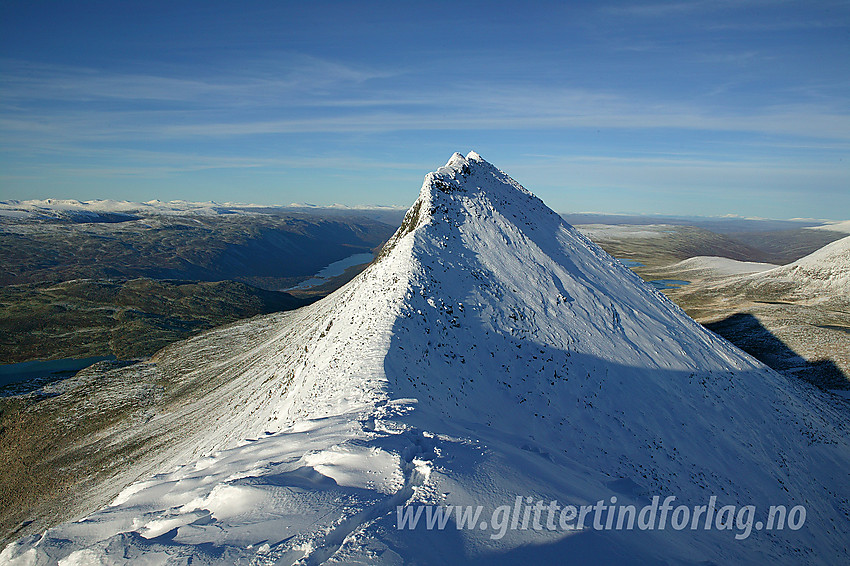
[490, 352]
[826, 268]
[820, 277]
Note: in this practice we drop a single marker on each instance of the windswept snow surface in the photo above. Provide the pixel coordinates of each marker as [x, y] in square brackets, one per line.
[490, 352]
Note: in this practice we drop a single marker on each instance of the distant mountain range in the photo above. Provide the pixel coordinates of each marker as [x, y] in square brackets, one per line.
[99, 278]
[272, 249]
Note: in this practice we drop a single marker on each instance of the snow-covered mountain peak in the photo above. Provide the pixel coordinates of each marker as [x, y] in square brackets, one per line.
[469, 189]
[458, 162]
[490, 353]
[465, 174]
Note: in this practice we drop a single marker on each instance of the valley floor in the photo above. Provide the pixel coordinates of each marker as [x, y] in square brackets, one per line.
[796, 338]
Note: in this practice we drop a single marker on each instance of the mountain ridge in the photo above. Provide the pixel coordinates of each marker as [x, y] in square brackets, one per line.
[491, 351]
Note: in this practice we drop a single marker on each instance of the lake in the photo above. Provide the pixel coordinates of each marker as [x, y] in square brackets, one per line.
[661, 284]
[24, 377]
[335, 269]
[629, 262]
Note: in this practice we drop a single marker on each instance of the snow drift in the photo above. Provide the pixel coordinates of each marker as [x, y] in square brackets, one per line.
[490, 352]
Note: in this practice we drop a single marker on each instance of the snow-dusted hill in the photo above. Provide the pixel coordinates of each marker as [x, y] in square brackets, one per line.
[712, 266]
[822, 278]
[825, 269]
[491, 352]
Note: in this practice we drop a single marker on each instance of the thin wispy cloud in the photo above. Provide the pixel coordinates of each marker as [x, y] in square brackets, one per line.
[663, 9]
[278, 97]
[785, 25]
[291, 77]
[287, 109]
[676, 8]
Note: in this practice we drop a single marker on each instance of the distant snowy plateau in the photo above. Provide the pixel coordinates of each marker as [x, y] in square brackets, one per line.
[490, 352]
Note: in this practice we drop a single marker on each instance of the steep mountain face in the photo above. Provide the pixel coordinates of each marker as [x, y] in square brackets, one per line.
[490, 352]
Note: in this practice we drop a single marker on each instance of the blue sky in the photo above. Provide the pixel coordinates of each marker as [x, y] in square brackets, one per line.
[704, 107]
